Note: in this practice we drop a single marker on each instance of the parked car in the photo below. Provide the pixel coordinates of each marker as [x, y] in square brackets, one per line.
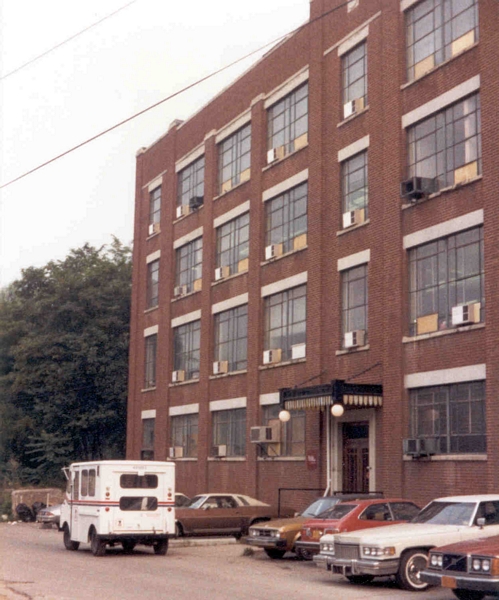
[470, 569]
[351, 515]
[280, 536]
[51, 515]
[402, 550]
[222, 514]
[181, 499]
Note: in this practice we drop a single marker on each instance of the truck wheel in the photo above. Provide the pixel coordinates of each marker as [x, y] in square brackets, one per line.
[128, 546]
[160, 547]
[409, 573]
[97, 546]
[274, 553]
[360, 579]
[468, 595]
[68, 542]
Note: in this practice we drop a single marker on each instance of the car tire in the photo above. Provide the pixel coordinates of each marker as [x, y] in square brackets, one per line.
[303, 554]
[160, 547]
[360, 579]
[128, 546]
[468, 594]
[274, 553]
[97, 546]
[68, 542]
[178, 530]
[411, 565]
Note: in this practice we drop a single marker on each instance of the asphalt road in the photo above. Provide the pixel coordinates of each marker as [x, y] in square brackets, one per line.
[34, 565]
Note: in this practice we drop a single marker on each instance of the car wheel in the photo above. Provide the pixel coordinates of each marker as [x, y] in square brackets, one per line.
[178, 530]
[128, 546]
[468, 594]
[360, 579]
[304, 554]
[160, 547]
[274, 553]
[97, 546]
[409, 573]
[68, 542]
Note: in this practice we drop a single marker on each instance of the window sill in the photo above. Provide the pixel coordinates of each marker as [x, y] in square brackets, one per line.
[436, 334]
[229, 191]
[195, 210]
[232, 373]
[180, 383]
[282, 364]
[353, 228]
[149, 389]
[353, 350]
[280, 160]
[281, 458]
[439, 66]
[218, 281]
[448, 457]
[445, 190]
[176, 298]
[226, 458]
[272, 260]
[352, 117]
[152, 309]
[149, 237]
[184, 459]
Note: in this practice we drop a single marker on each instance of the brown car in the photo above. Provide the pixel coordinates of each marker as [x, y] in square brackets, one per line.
[223, 514]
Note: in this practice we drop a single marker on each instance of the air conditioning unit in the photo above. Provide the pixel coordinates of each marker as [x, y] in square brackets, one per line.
[222, 273]
[298, 351]
[417, 447]
[180, 290]
[353, 339]
[178, 376]
[275, 154]
[182, 210]
[264, 434]
[220, 366]
[273, 251]
[219, 451]
[417, 187]
[466, 314]
[196, 202]
[352, 107]
[272, 356]
[353, 217]
[153, 228]
[176, 452]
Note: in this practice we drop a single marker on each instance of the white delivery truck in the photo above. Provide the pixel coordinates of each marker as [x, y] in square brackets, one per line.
[124, 502]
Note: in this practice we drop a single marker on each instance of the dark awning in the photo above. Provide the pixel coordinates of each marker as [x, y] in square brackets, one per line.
[323, 395]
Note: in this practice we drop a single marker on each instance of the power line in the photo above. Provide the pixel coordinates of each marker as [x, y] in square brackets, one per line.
[188, 87]
[65, 41]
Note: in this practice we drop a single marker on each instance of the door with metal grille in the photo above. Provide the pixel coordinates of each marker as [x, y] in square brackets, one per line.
[356, 457]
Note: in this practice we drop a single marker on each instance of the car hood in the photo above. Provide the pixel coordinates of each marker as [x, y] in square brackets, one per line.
[479, 545]
[396, 533]
[321, 523]
[282, 524]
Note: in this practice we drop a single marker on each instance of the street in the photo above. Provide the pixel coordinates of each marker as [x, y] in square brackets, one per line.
[35, 565]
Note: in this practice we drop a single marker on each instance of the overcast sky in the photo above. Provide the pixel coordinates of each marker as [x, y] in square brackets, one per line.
[128, 62]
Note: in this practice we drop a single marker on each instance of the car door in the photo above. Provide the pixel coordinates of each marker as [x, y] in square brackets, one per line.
[211, 518]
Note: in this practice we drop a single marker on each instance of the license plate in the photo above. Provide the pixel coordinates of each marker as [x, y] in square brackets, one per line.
[448, 582]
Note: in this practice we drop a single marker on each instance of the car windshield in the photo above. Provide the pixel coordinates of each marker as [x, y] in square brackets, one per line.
[338, 511]
[319, 506]
[446, 513]
[195, 502]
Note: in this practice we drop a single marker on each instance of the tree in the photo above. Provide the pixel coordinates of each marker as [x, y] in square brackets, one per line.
[64, 332]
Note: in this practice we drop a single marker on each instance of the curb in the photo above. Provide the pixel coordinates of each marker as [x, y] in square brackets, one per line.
[187, 542]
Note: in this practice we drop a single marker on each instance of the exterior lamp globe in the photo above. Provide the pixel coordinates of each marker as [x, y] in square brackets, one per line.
[337, 410]
[284, 416]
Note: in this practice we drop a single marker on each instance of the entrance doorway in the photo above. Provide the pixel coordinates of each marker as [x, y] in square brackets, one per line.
[356, 456]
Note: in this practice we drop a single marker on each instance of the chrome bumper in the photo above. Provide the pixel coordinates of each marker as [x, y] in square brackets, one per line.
[323, 561]
[344, 566]
[266, 542]
[463, 581]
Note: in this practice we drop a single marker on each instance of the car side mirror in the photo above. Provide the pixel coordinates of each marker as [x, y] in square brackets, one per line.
[480, 522]
[207, 507]
[297, 514]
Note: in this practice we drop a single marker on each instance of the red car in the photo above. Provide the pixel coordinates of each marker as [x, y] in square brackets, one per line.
[352, 515]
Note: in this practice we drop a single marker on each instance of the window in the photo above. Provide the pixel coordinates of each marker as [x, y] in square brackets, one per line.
[88, 482]
[447, 146]
[443, 274]
[191, 185]
[152, 284]
[354, 306]
[147, 452]
[186, 349]
[288, 123]
[376, 512]
[354, 67]
[231, 338]
[234, 159]
[138, 503]
[286, 220]
[354, 180]
[286, 320]
[229, 431]
[453, 413]
[184, 434]
[437, 30]
[151, 343]
[155, 206]
[135, 481]
[292, 433]
[233, 245]
[189, 265]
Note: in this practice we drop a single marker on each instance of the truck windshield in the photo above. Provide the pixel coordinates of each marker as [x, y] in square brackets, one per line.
[446, 513]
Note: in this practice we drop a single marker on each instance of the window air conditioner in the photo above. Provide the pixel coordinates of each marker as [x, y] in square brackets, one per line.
[182, 210]
[180, 290]
[178, 376]
[272, 356]
[196, 202]
[264, 434]
[273, 251]
[353, 339]
[353, 217]
[176, 452]
[153, 228]
[220, 366]
[222, 273]
[416, 187]
[219, 451]
[417, 447]
[275, 154]
[466, 314]
[298, 351]
[352, 107]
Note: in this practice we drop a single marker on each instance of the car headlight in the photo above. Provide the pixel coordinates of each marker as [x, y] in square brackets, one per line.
[436, 560]
[375, 551]
[327, 547]
[481, 564]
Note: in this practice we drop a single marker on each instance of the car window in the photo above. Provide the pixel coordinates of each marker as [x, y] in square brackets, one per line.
[196, 502]
[243, 501]
[319, 506]
[404, 511]
[210, 502]
[376, 512]
[338, 511]
[489, 511]
[226, 502]
[446, 513]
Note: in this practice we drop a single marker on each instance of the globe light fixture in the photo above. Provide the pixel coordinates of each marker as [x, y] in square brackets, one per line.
[284, 416]
[337, 410]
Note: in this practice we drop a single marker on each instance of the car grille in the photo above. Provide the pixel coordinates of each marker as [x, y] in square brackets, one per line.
[455, 562]
[266, 532]
[349, 551]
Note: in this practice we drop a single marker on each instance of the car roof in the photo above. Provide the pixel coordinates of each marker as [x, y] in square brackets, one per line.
[470, 498]
[367, 502]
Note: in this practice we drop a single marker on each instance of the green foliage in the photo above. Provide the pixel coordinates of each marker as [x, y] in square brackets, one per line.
[64, 332]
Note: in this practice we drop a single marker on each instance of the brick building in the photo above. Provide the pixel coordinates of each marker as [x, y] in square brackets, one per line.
[325, 231]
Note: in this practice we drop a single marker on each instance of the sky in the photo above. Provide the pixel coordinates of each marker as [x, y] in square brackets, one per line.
[142, 54]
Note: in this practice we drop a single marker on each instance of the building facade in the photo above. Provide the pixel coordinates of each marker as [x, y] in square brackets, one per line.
[330, 217]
